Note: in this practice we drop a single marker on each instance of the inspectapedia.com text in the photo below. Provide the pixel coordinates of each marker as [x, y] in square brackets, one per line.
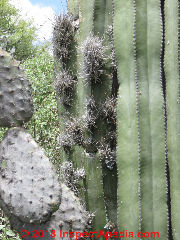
[89, 235]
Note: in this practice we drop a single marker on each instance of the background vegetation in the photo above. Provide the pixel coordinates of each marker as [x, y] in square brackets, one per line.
[16, 35]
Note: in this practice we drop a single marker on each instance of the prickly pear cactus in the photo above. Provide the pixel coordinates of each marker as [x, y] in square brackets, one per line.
[71, 216]
[34, 199]
[16, 104]
[33, 191]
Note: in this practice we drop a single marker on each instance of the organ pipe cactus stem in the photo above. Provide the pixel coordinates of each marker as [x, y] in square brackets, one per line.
[141, 162]
[128, 99]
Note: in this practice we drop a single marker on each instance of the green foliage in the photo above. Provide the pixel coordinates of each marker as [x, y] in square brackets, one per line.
[2, 132]
[16, 35]
[5, 232]
[44, 124]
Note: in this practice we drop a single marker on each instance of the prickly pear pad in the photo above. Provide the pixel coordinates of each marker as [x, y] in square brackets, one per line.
[16, 104]
[71, 216]
[29, 187]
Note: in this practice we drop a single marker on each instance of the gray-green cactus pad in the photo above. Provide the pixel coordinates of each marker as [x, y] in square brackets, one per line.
[29, 186]
[70, 217]
[16, 104]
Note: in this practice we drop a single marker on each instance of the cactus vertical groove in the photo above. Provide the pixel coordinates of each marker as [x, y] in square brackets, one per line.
[144, 26]
[138, 120]
[127, 154]
[171, 67]
[151, 117]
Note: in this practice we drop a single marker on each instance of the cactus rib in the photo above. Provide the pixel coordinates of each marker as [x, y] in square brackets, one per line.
[127, 140]
[172, 72]
[151, 118]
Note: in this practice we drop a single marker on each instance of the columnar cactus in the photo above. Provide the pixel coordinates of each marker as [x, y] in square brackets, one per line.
[141, 162]
[95, 69]
[127, 75]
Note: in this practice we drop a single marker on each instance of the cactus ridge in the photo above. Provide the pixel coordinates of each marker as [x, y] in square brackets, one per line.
[127, 154]
[171, 66]
[151, 105]
[163, 87]
[87, 103]
[138, 117]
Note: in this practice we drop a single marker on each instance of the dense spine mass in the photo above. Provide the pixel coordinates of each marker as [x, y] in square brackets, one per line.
[94, 116]
[90, 161]
[172, 71]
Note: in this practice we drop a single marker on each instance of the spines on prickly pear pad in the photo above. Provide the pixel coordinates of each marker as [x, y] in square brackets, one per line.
[16, 105]
[33, 191]
[70, 217]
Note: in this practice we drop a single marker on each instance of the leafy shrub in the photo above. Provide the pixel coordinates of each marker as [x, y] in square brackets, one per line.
[44, 124]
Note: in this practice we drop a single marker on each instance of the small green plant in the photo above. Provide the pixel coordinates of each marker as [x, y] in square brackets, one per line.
[5, 230]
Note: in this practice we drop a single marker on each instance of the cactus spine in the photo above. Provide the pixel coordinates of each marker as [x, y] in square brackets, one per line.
[94, 90]
[92, 166]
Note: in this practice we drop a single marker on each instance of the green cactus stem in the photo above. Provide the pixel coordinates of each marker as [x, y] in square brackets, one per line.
[141, 151]
[148, 33]
[73, 8]
[90, 162]
[172, 71]
[127, 139]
